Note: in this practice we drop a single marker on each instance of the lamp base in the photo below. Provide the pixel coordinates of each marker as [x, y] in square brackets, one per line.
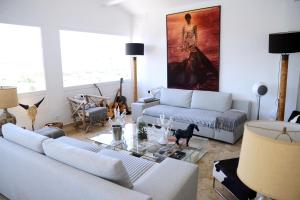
[7, 117]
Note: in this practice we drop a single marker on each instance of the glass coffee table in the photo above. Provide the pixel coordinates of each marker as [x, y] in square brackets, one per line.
[150, 148]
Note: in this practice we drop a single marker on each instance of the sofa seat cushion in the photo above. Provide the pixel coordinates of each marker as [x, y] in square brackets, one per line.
[135, 167]
[168, 111]
[23, 137]
[208, 100]
[103, 166]
[80, 144]
[205, 118]
[176, 97]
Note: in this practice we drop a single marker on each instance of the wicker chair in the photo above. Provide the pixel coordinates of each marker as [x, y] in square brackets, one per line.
[88, 110]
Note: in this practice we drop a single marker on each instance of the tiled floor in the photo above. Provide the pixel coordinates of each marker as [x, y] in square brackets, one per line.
[216, 151]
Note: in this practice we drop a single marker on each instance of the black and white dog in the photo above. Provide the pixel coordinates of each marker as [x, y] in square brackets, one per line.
[188, 133]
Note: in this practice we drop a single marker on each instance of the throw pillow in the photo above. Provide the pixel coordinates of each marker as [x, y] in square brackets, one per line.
[102, 166]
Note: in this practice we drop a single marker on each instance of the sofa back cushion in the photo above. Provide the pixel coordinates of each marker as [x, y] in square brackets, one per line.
[217, 101]
[98, 165]
[23, 137]
[176, 97]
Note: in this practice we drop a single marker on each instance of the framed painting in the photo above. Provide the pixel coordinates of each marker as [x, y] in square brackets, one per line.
[193, 45]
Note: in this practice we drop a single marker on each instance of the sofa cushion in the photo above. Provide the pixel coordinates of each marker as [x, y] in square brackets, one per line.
[135, 167]
[80, 144]
[23, 137]
[217, 101]
[168, 111]
[205, 118]
[176, 97]
[102, 166]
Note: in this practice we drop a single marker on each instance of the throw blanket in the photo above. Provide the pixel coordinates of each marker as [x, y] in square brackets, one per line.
[229, 120]
[96, 114]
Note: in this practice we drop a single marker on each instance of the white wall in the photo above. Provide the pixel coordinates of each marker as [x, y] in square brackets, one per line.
[245, 26]
[294, 15]
[52, 16]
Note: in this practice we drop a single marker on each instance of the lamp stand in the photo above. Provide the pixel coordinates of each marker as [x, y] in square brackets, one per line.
[258, 109]
[283, 84]
[7, 117]
[135, 93]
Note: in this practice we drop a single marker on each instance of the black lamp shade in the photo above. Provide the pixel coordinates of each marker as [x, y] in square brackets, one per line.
[134, 49]
[288, 42]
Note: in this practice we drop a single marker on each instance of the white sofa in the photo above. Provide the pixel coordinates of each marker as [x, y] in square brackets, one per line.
[217, 115]
[34, 167]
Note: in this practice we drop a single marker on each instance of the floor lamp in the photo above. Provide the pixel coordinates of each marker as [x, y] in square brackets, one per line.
[283, 43]
[134, 49]
[260, 89]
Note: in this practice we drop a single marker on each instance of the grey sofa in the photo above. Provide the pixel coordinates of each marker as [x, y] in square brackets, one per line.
[34, 167]
[217, 115]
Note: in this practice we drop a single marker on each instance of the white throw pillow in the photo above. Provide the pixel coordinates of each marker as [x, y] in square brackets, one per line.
[23, 137]
[102, 166]
[207, 100]
[176, 97]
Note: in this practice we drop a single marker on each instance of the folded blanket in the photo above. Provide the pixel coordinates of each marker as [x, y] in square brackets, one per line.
[96, 114]
[230, 119]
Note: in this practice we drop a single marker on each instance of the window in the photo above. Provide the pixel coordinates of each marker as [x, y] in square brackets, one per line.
[21, 58]
[93, 58]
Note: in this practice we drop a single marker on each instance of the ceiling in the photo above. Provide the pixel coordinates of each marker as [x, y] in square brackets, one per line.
[138, 7]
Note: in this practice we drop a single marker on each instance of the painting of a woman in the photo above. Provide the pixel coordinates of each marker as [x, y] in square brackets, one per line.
[189, 35]
[193, 41]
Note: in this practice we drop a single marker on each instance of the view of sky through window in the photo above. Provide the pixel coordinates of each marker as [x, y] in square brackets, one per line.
[21, 56]
[93, 58]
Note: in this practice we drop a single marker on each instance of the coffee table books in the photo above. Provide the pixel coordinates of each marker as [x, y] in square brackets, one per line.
[150, 149]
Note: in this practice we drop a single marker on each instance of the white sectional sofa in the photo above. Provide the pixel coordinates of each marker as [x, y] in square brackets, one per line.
[34, 167]
[217, 115]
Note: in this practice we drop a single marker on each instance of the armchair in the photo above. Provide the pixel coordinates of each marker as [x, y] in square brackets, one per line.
[88, 110]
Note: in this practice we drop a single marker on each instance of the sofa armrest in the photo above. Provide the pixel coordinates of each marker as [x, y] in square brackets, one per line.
[170, 180]
[230, 120]
[138, 107]
[242, 105]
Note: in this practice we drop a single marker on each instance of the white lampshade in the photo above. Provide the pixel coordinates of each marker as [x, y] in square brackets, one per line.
[8, 97]
[270, 159]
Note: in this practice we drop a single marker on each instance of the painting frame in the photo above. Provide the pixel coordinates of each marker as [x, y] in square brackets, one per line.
[177, 77]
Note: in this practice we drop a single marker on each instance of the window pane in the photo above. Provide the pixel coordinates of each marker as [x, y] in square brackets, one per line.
[93, 58]
[21, 57]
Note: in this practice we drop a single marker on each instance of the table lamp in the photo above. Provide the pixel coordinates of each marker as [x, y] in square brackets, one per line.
[8, 99]
[134, 49]
[270, 159]
[283, 43]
